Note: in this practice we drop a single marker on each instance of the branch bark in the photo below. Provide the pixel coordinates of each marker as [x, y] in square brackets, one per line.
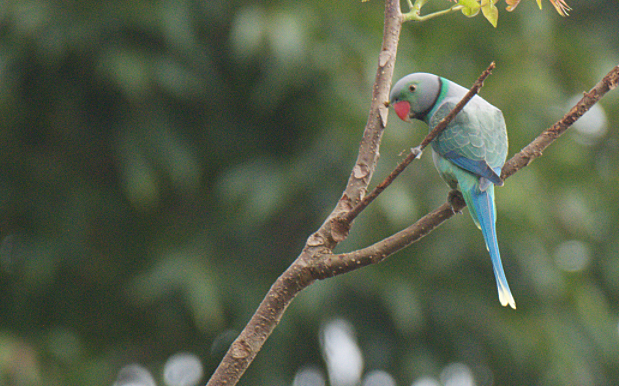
[320, 244]
[537, 146]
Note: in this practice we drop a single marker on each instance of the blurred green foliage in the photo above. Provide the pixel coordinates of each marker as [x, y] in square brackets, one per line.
[162, 162]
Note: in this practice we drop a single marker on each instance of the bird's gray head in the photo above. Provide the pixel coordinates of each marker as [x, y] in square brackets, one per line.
[415, 95]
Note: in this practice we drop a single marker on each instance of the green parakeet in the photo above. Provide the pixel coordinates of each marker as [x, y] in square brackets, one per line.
[468, 154]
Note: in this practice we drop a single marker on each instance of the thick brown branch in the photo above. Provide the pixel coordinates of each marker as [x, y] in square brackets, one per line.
[247, 345]
[377, 121]
[298, 276]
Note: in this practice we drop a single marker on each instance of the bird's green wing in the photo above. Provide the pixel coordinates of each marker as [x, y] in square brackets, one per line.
[476, 140]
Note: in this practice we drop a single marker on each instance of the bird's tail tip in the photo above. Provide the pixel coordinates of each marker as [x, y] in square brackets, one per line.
[505, 297]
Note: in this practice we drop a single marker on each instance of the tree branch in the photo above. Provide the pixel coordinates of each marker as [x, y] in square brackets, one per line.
[334, 265]
[300, 275]
[537, 146]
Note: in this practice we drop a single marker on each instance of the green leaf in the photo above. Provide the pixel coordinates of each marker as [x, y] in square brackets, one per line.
[490, 11]
[470, 7]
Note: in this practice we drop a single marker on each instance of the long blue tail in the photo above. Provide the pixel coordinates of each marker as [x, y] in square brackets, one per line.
[482, 209]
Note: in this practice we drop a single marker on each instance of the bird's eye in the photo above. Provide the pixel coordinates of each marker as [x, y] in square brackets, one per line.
[412, 87]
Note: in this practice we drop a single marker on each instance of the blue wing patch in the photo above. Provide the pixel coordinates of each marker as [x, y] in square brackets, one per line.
[478, 167]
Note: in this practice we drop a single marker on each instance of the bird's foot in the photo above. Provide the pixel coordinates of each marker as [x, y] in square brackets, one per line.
[456, 201]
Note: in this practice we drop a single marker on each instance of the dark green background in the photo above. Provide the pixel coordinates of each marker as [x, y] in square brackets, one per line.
[162, 162]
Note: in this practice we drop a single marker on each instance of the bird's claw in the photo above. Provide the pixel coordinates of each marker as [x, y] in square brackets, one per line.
[456, 201]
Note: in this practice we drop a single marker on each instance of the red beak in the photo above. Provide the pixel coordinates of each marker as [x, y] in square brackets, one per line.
[402, 108]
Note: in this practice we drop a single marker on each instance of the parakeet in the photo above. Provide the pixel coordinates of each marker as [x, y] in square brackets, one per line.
[468, 154]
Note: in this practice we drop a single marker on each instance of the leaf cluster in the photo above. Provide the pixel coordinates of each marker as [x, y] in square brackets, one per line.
[471, 8]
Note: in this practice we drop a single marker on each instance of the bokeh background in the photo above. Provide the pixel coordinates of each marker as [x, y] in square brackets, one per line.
[162, 162]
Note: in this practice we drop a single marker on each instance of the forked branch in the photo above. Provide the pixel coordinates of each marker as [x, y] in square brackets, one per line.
[301, 272]
[317, 261]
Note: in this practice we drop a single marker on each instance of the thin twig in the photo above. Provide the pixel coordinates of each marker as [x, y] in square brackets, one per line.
[537, 146]
[452, 114]
[414, 13]
[416, 151]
